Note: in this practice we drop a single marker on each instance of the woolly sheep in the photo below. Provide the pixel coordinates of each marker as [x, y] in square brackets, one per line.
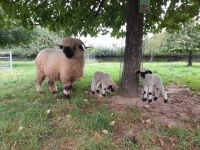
[152, 85]
[64, 65]
[105, 81]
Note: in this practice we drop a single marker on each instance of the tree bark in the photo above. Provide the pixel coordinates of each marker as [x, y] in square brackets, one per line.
[190, 59]
[133, 49]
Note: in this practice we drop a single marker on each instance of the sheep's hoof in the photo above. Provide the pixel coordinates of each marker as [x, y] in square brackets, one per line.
[155, 98]
[144, 99]
[67, 96]
[150, 100]
[93, 92]
[97, 91]
[165, 100]
[103, 95]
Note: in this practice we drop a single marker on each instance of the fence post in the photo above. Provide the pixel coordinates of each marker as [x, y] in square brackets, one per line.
[10, 59]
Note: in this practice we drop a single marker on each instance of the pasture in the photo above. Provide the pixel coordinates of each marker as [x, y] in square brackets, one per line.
[29, 120]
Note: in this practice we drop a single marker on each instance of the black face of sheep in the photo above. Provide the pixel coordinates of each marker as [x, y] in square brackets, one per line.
[143, 73]
[70, 51]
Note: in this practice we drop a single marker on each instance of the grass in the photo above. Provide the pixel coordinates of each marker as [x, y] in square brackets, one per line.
[25, 123]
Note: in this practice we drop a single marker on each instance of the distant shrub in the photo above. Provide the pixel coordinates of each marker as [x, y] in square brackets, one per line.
[105, 52]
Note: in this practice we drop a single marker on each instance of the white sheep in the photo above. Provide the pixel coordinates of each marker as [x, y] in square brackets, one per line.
[152, 85]
[102, 83]
[64, 65]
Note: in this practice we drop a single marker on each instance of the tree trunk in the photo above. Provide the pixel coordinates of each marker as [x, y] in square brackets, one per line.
[190, 59]
[151, 58]
[133, 49]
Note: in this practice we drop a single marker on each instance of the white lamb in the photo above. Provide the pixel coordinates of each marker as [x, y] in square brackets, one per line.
[105, 81]
[152, 85]
[65, 65]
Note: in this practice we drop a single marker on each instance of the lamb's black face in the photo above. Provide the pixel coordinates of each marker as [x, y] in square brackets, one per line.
[110, 88]
[68, 51]
[143, 73]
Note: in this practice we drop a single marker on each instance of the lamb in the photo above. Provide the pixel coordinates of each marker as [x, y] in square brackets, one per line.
[64, 65]
[152, 85]
[105, 81]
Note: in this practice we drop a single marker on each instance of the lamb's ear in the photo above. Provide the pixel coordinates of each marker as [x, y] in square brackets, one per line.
[149, 71]
[137, 72]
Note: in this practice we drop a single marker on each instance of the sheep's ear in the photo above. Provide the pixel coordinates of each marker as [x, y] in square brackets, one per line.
[149, 71]
[137, 72]
[81, 47]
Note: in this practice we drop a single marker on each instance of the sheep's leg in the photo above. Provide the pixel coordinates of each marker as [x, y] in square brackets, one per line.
[67, 90]
[157, 93]
[39, 79]
[145, 92]
[52, 87]
[164, 94]
[150, 94]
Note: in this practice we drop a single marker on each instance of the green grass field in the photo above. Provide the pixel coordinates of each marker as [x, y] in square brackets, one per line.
[78, 123]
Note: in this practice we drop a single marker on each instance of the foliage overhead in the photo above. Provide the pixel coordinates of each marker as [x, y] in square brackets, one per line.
[93, 17]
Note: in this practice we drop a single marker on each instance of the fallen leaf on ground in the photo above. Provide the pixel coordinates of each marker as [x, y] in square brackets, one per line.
[112, 123]
[153, 139]
[97, 135]
[161, 142]
[105, 131]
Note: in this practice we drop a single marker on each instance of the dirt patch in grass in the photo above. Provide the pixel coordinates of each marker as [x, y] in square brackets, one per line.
[182, 109]
[160, 125]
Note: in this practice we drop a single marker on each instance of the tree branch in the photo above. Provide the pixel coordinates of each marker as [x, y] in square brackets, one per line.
[99, 9]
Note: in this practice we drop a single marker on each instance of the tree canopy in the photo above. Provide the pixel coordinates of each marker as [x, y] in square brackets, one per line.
[92, 17]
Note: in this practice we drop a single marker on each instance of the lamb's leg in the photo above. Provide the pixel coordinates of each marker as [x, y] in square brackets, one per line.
[97, 88]
[39, 79]
[145, 91]
[104, 90]
[157, 93]
[93, 85]
[67, 90]
[164, 94]
[52, 87]
[150, 94]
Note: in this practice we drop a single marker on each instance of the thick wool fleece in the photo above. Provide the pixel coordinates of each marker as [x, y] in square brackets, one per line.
[53, 64]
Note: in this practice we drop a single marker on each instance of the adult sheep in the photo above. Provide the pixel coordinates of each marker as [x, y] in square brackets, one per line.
[64, 65]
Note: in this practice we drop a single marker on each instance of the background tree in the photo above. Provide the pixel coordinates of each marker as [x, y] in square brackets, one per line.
[155, 44]
[25, 43]
[92, 17]
[186, 41]
[14, 36]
